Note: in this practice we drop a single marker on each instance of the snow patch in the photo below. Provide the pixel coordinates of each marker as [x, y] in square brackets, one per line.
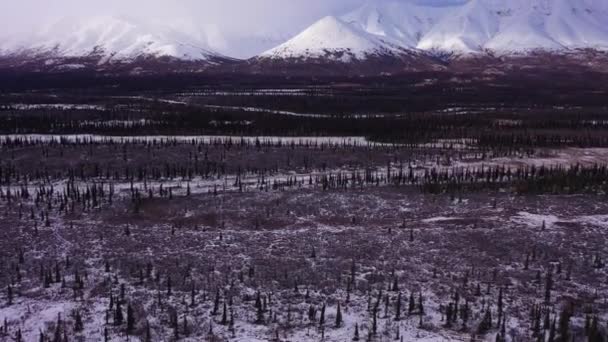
[535, 220]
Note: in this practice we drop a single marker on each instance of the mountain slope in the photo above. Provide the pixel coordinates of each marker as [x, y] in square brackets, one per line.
[333, 39]
[467, 29]
[551, 25]
[111, 38]
[519, 26]
[476, 26]
[400, 23]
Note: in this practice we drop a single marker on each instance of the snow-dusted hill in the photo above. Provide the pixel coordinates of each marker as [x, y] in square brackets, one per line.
[110, 38]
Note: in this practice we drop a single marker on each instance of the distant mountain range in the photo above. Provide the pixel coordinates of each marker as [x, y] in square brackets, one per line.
[478, 26]
[380, 29]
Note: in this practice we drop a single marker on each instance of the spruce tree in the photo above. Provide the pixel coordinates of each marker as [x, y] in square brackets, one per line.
[185, 326]
[260, 316]
[564, 326]
[148, 336]
[193, 296]
[375, 323]
[412, 304]
[78, 325]
[552, 332]
[398, 308]
[356, 337]
[224, 315]
[322, 317]
[464, 314]
[448, 316]
[338, 316]
[500, 308]
[231, 324]
[216, 303]
[9, 295]
[548, 286]
[118, 316]
[130, 320]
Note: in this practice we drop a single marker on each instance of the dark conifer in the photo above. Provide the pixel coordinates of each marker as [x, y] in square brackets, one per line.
[130, 320]
[548, 286]
[564, 326]
[338, 316]
[118, 316]
[78, 325]
[322, 317]
[185, 327]
[412, 304]
[398, 308]
[9, 295]
[216, 303]
[375, 323]
[224, 315]
[356, 337]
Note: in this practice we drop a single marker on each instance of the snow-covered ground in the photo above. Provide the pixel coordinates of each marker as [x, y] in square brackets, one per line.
[60, 106]
[299, 238]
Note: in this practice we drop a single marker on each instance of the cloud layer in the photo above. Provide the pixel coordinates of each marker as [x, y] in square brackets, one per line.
[232, 15]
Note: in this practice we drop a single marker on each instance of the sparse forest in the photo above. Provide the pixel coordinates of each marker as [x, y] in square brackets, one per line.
[435, 207]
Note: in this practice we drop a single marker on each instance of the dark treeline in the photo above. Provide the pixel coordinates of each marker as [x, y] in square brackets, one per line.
[497, 130]
[523, 180]
[313, 171]
[412, 92]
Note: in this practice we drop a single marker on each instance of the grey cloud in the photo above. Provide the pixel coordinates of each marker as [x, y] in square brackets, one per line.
[232, 15]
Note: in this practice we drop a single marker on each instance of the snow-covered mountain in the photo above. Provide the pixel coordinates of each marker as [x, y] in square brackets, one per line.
[333, 38]
[475, 26]
[110, 38]
[520, 26]
[401, 23]
[379, 28]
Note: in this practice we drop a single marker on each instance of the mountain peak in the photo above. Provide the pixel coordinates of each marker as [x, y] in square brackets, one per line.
[333, 38]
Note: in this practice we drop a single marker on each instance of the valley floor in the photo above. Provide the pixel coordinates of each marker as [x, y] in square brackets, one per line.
[273, 255]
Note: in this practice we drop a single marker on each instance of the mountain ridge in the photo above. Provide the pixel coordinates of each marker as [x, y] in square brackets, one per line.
[477, 26]
[110, 38]
[391, 31]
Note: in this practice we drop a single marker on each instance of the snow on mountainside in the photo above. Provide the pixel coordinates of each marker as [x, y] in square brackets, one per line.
[519, 26]
[556, 24]
[396, 28]
[401, 23]
[475, 26]
[332, 38]
[110, 38]
[466, 29]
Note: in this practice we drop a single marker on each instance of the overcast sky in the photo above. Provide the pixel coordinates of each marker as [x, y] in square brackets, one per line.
[232, 15]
